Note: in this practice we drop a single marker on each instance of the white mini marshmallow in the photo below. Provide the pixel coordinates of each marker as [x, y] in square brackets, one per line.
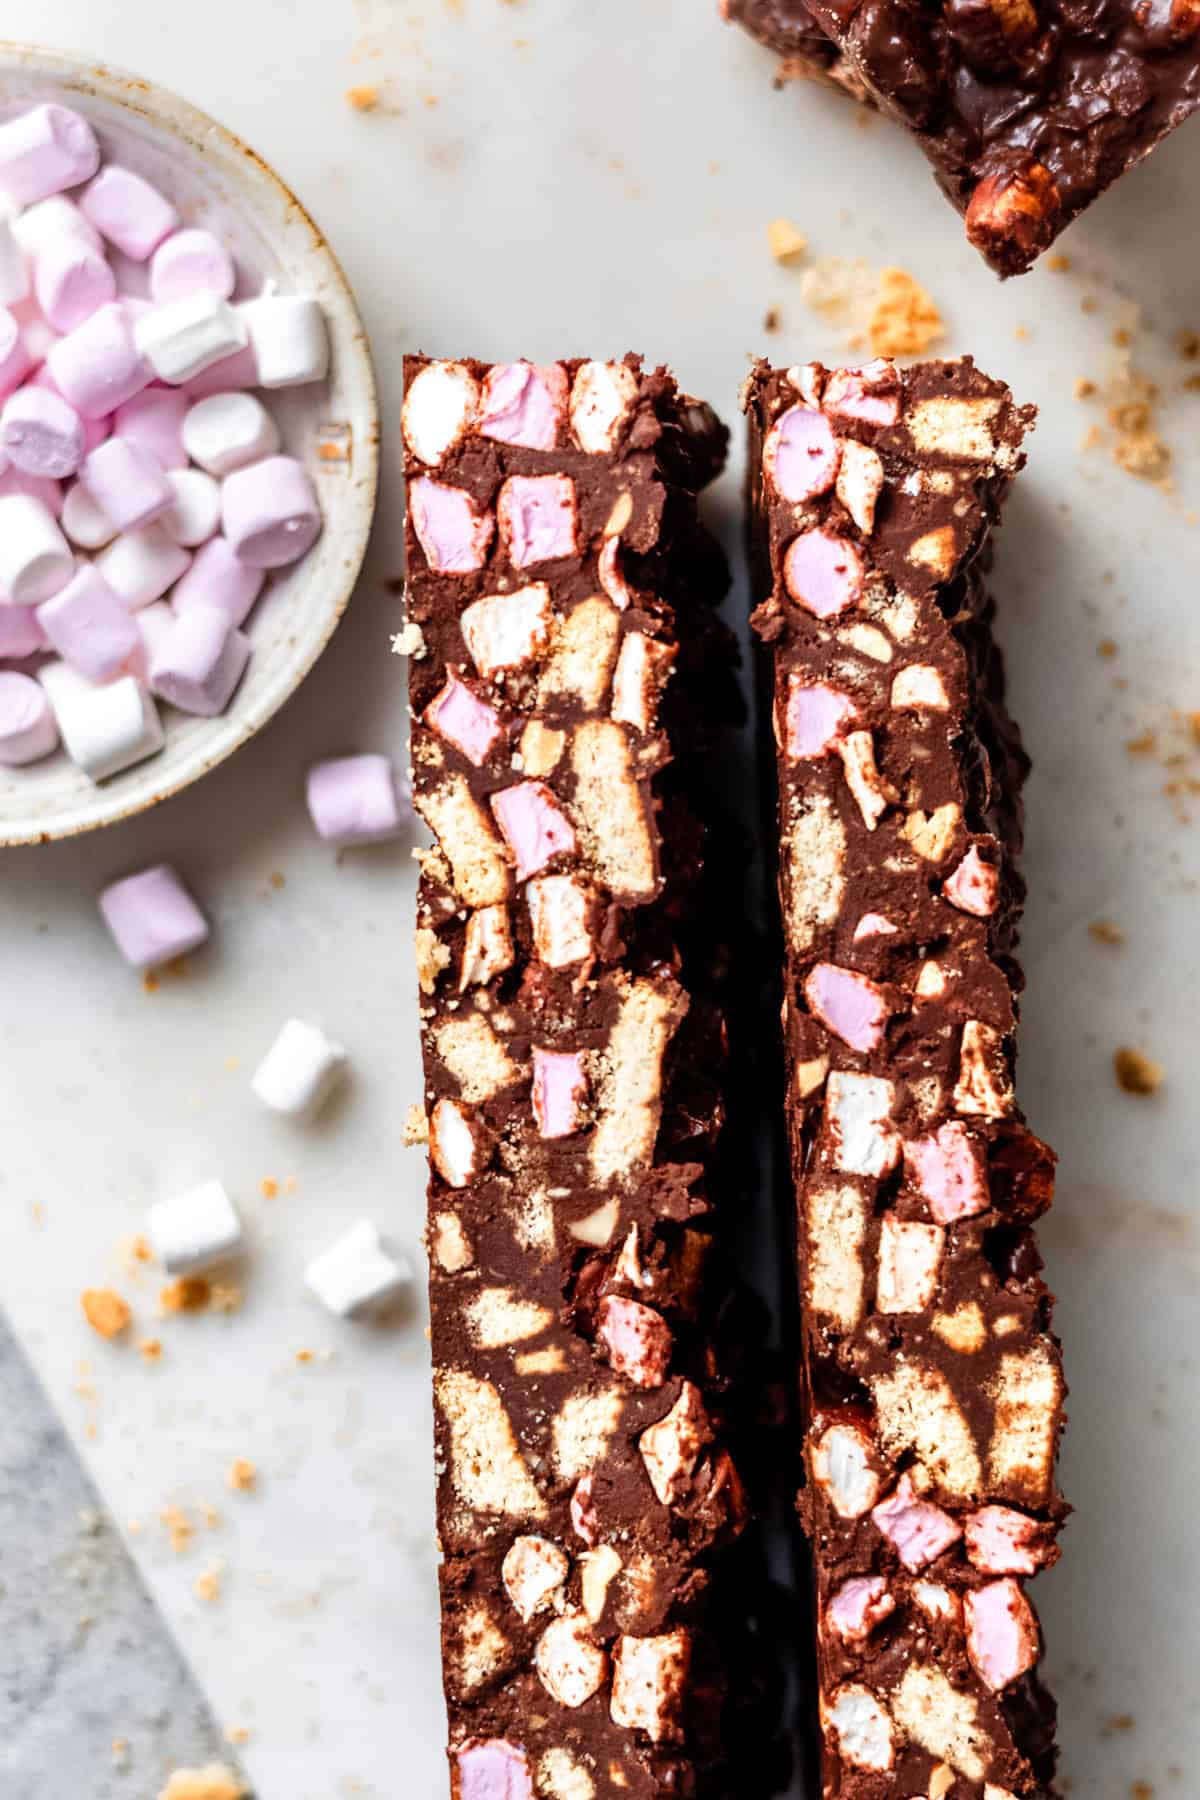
[127, 482]
[194, 1230]
[226, 431]
[199, 662]
[45, 150]
[105, 729]
[27, 727]
[140, 566]
[219, 578]
[269, 512]
[20, 633]
[184, 337]
[195, 512]
[153, 623]
[44, 224]
[35, 557]
[152, 917]
[299, 1071]
[15, 359]
[85, 523]
[289, 339]
[41, 434]
[14, 271]
[72, 281]
[128, 211]
[191, 262]
[357, 1273]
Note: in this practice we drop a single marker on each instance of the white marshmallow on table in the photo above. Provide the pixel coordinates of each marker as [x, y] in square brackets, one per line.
[195, 512]
[299, 1071]
[269, 512]
[35, 557]
[20, 633]
[72, 281]
[128, 211]
[226, 431]
[127, 482]
[98, 366]
[14, 270]
[50, 220]
[357, 1273]
[154, 418]
[139, 566]
[105, 729]
[353, 799]
[88, 626]
[199, 662]
[15, 360]
[189, 262]
[195, 1230]
[86, 524]
[289, 339]
[45, 150]
[40, 433]
[152, 917]
[27, 727]
[183, 337]
[220, 579]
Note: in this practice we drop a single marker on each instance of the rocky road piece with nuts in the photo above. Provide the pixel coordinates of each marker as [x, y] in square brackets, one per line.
[932, 1383]
[564, 592]
[1027, 109]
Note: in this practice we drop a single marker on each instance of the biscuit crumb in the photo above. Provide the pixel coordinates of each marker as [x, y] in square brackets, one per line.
[1131, 399]
[150, 1349]
[409, 642]
[268, 1187]
[363, 99]
[216, 1782]
[207, 1586]
[415, 1129]
[1144, 745]
[1137, 1074]
[179, 1527]
[242, 1475]
[786, 242]
[225, 1297]
[191, 1293]
[1058, 264]
[1105, 932]
[105, 1311]
[237, 1734]
[905, 320]
[1084, 387]
[1106, 647]
[771, 319]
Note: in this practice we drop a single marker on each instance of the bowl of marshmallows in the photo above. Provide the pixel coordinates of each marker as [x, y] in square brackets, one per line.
[188, 445]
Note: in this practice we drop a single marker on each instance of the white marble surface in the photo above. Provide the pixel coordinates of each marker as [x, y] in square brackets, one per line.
[546, 177]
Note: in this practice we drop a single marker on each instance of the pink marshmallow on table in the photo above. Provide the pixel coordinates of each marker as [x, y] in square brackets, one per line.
[88, 626]
[15, 360]
[139, 566]
[127, 482]
[195, 512]
[128, 211]
[20, 633]
[219, 578]
[269, 512]
[35, 558]
[94, 430]
[152, 917]
[154, 419]
[199, 662]
[191, 261]
[97, 367]
[353, 799]
[72, 281]
[45, 150]
[27, 727]
[41, 434]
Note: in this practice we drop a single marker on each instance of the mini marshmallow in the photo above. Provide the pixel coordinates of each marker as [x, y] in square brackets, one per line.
[190, 262]
[199, 662]
[139, 566]
[45, 150]
[184, 337]
[35, 557]
[127, 482]
[40, 433]
[42, 488]
[105, 729]
[227, 431]
[15, 360]
[98, 366]
[88, 626]
[126, 210]
[270, 512]
[152, 917]
[72, 281]
[86, 524]
[353, 799]
[218, 578]
[44, 224]
[154, 419]
[299, 1071]
[357, 1273]
[27, 727]
[14, 271]
[288, 335]
[195, 512]
[194, 1230]
[94, 430]
[20, 633]
[153, 622]
[237, 371]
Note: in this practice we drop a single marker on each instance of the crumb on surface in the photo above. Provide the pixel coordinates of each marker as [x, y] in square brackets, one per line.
[277, 878]
[105, 1311]
[304, 1356]
[410, 641]
[1145, 744]
[1136, 1074]
[207, 1586]
[1105, 931]
[237, 1734]
[1058, 264]
[771, 319]
[364, 98]
[190, 1293]
[150, 1349]
[268, 1187]
[1106, 647]
[242, 1474]
[786, 242]
[179, 1528]
[215, 1782]
[150, 982]
[415, 1129]
[905, 320]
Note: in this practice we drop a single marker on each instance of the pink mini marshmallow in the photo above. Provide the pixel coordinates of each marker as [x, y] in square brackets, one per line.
[559, 1087]
[537, 518]
[949, 1173]
[493, 1769]
[127, 482]
[524, 404]
[454, 537]
[45, 150]
[35, 487]
[1003, 1541]
[918, 1531]
[815, 718]
[199, 662]
[853, 1007]
[823, 573]
[97, 367]
[974, 886]
[94, 430]
[152, 917]
[72, 281]
[189, 262]
[871, 393]
[27, 727]
[128, 211]
[41, 434]
[219, 578]
[139, 566]
[533, 826]
[873, 924]
[800, 456]
[154, 419]
[88, 626]
[20, 633]
[237, 371]
[638, 1340]
[269, 512]
[858, 1606]
[1002, 1633]
[464, 720]
[15, 360]
[353, 799]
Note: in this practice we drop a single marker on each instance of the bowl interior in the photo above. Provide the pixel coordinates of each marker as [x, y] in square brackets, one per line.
[218, 182]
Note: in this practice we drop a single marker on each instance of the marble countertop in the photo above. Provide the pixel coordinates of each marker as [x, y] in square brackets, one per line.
[546, 177]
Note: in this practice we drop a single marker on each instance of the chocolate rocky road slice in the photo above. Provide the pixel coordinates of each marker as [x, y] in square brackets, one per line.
[571, 678]
[932, 1382]
[1027, 109]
